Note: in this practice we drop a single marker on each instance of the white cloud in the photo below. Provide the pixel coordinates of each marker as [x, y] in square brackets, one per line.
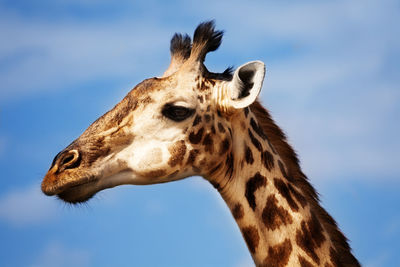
[55, 254]
[27, 206]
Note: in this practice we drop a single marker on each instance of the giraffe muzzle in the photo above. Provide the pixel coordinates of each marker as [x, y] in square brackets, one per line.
[66, 159]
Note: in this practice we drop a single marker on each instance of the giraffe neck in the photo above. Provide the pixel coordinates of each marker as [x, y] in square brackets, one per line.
[277, 219]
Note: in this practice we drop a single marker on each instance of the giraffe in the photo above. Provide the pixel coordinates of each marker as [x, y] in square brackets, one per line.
[191, 121]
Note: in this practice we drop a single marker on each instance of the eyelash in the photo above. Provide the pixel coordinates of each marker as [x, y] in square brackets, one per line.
[177, 113]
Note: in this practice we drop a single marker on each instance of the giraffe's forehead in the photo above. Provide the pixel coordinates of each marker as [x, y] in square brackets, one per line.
[173, 88]
[150, 95]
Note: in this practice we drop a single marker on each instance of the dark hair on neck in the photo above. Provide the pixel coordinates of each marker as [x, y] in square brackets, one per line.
[277, 137]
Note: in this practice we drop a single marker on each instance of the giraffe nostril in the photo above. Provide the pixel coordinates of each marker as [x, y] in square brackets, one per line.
[68, 160]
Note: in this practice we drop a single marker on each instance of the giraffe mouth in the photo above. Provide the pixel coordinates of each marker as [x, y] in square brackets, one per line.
[79, 193]
[84, 188]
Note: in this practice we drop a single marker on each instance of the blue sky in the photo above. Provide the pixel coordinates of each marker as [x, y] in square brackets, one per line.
[332, 84]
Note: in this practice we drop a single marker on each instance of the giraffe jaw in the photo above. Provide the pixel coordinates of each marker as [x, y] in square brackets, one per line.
[79, 192]
[69, 188]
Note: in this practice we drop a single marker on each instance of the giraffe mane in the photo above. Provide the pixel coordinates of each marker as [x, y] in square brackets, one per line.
[278, 138]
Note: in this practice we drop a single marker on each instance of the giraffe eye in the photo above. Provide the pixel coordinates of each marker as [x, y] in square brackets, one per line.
[177, 113]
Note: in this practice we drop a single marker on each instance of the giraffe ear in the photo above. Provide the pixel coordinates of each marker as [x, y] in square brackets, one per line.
[246, 84]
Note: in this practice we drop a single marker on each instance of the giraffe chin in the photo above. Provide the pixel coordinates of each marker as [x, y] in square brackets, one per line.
[79, 193]
[75, 193]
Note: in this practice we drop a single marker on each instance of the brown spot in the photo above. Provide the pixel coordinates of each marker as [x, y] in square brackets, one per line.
[255, 142]
[201, 98]
[207, 118]
[304, 241]
[155, 173]
[300, 198]
[257, 129]
[202, 162]
[310, 237]
[219, 113]
[271, 146]
[283, 171]
[208, 143]
[213, 129]
[177, 151]
[229, 165]
[274, 216]
[304, 263]
[251, 237]
[285, 192]
[192, 156]
[212, 82]
[246, 111]
[213, 170]
[335, 258]
[196, 169]
[147, 100]
[197, 120]
[196, 138]
[316, 230]
[268, 160]
[327, 264]
[237, 211]
[278, 255]
[252, 185]
[208, 108]
[241, 164]
[221, 128]
[248, 155]
[203, 86]
[224, 147]
[230, 131]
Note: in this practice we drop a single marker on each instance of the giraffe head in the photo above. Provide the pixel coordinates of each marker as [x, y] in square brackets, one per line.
[165, 129]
